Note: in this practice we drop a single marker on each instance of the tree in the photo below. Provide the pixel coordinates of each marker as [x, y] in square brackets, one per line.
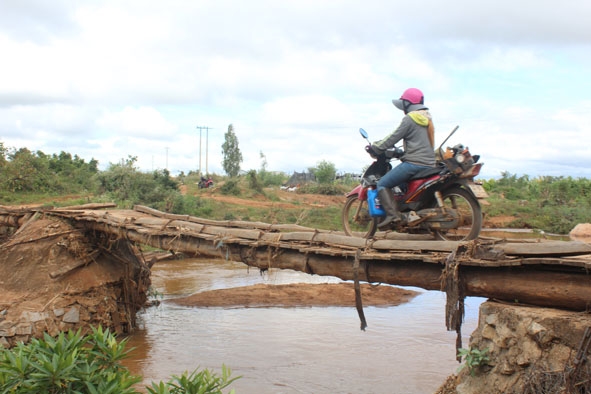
[3, 153]
[231, 153]
[325, 172]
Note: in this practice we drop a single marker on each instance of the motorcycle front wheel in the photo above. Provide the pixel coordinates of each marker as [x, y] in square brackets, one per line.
[356, 219]
[470, 215]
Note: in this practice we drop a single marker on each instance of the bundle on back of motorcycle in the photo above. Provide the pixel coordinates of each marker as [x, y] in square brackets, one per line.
[442, 201]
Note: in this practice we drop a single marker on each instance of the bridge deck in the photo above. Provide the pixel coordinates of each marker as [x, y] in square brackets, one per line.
[540, 272]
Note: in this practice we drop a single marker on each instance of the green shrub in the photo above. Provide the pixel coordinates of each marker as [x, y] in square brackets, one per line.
[273, 178]
[253, 182]
[473, 359]
[198, 382]
[70, 363]
[128, 186]
[191, 205]
[229, 216]
[552, 204]
[231, 187]
[323, 188]
[73, 363]
[325, 172]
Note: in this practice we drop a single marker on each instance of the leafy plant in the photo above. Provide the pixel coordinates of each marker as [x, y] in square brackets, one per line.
[324, 189]
[155, 295]
[74, 363]
[129, 186]
[253, 182]
[69, 363]
[231, 187]
[198, 382]
[474, 358]
[325, 172]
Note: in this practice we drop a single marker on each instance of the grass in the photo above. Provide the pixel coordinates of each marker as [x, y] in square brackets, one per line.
[528, 211]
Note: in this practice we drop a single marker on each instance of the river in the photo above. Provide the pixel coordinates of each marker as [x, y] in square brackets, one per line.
[405, 349]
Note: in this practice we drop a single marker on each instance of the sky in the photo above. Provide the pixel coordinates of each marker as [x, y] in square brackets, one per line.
[162, 81]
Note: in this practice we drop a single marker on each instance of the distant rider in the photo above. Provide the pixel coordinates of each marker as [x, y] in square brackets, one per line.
[418, 135]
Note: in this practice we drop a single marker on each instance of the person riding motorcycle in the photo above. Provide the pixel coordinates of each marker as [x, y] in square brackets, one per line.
[416, 130]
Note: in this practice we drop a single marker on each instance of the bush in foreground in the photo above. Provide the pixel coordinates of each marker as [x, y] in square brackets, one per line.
[73, 363]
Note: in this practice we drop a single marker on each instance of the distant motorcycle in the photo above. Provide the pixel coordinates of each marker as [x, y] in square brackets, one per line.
[442, 201]
[205, 183]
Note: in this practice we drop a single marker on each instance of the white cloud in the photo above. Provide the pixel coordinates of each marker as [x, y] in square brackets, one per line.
[142, 122]
[108, 79]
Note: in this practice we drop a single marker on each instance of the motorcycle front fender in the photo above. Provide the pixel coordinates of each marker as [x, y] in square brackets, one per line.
[360, 191]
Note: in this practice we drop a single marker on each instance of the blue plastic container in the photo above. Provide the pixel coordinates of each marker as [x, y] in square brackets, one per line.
[375, 208]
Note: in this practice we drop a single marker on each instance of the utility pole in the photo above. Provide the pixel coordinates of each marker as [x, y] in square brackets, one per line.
[206, 147]
[166, 157]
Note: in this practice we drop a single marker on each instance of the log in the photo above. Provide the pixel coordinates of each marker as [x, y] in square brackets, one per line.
[547, 248]
[225, 223]
[87, 206]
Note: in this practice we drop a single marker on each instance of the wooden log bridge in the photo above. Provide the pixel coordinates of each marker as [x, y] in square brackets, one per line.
[537, 272]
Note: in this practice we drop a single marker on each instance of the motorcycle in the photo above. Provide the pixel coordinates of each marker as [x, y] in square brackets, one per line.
[205, 183]
[442, 201]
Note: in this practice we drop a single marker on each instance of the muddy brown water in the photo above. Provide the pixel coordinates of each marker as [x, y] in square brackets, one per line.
[405, 349]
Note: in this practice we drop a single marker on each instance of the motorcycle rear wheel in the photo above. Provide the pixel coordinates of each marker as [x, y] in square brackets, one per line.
[467, 206]
[356, 219]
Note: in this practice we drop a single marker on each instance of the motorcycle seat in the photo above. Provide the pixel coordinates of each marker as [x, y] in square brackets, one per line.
[427, 172]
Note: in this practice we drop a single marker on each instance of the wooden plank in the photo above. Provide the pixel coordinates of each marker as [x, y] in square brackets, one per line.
[547, 248]
[234, 232]
[417, 246]
[87, 206]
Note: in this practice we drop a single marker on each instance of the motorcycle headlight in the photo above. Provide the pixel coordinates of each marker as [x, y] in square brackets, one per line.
[460, 158]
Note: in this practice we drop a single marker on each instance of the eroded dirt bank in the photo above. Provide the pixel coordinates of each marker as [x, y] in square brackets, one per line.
[53, 279]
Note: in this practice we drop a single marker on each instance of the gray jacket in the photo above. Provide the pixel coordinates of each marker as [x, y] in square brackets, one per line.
[413, 131]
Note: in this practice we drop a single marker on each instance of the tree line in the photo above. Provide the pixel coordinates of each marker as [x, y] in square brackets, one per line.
[552, 204]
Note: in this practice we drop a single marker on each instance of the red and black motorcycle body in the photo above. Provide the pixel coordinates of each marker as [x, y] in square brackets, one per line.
[205, 183]
[420, 190]
[421, 200]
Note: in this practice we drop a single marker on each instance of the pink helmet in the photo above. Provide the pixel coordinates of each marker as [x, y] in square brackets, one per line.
[411, 100]
[413, 95]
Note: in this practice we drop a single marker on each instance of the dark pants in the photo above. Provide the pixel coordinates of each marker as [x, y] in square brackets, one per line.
[399, 175]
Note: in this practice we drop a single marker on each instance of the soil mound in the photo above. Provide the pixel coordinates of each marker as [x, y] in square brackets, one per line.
[299, 295]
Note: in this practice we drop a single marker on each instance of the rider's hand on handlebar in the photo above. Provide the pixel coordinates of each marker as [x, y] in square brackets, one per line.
[372, 152]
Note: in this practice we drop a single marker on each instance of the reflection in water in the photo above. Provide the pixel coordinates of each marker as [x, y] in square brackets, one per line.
[405, 349]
